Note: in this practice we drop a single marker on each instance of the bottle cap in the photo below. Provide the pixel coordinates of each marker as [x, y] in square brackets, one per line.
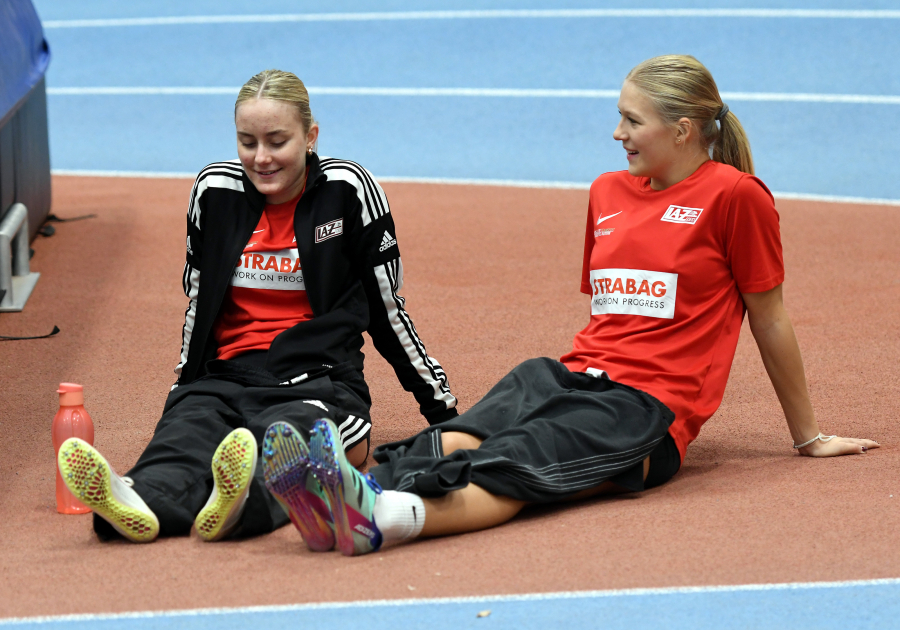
[70, 394]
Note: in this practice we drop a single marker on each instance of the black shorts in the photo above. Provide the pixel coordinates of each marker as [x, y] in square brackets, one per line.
[547, 433]
[665, 460]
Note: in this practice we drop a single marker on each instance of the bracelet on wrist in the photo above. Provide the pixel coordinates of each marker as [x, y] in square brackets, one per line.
[824, 438]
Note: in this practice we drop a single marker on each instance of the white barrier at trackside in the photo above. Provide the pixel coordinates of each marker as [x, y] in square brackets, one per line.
[16, 277]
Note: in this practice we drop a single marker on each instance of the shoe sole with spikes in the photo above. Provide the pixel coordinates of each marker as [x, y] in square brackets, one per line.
[350, 494]
[233, 464]
[90, 478]
[289, 479]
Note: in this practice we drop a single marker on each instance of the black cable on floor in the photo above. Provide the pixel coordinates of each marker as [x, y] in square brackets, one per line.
[52, 218]
[5, 338]
[49, 230]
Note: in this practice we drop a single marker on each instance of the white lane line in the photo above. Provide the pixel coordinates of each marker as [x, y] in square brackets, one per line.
[506, 183]
[481, 15]
[509, 183]
[140, 174]
[527, 597]
[138, 91]
[870, 99]
[775, 97]
[836, 199]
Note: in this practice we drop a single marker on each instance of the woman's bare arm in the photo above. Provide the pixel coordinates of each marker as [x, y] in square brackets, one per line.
[780, 353]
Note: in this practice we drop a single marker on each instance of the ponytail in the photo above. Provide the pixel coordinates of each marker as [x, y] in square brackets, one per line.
[682, 87]
[732, 146]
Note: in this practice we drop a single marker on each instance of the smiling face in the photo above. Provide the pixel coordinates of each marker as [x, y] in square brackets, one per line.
[272, 145]
[653, 146]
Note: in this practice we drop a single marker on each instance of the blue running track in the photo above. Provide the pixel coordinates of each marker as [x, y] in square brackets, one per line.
[819, 93]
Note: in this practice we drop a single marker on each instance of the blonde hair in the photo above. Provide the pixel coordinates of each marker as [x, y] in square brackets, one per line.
[682, 87]
[278, 85]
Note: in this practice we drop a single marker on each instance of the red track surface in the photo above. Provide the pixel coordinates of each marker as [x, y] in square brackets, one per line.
[492, 278]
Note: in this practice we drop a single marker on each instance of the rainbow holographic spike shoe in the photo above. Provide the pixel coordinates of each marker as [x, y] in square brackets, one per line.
[350, 493]
[90, 478]
[288, 478]
[233, 464]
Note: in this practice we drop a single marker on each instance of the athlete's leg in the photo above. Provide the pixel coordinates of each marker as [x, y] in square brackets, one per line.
[543, 434]
[467, 510]
[365, 516]
[357, 454]
[457, 440]
[474, 508]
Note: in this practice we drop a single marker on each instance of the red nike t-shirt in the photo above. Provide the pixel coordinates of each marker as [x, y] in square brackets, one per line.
[665, 271]
[267, 295]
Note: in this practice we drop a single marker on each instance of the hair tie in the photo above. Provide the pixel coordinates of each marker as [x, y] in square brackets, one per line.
[722, 112]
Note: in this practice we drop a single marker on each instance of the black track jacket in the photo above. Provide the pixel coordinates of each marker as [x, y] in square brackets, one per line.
[351, 269]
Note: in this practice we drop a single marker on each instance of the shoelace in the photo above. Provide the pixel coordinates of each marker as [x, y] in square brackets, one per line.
[370, 480]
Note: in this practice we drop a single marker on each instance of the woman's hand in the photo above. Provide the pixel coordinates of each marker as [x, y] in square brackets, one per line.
[838, 446]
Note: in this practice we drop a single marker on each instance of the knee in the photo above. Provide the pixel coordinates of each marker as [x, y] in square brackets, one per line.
[456, 440]
[357, 455]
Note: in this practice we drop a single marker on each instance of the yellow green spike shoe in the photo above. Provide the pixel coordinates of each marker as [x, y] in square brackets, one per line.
[90, 478]
[232, 466]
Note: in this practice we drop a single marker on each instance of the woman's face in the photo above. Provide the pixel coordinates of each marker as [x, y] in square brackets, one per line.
[651, 144]
[272, 145]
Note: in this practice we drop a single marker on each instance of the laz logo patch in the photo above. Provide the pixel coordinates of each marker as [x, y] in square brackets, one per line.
[679, 214]
[329, 230]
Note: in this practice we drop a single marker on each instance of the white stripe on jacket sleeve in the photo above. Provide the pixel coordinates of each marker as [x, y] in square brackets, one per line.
[389, 276]
[191, 281]
[216, 175]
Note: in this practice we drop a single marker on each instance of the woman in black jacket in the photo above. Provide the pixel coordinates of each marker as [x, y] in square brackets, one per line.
[290, 258]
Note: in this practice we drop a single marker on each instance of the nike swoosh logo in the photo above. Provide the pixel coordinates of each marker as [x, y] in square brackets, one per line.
[258, 231]
[414, 514]
[602, 219]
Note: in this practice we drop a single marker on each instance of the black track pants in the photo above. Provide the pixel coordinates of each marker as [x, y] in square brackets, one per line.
[173, 475]
[548, 433]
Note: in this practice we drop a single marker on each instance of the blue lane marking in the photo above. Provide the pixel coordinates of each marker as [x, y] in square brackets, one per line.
[874, 604]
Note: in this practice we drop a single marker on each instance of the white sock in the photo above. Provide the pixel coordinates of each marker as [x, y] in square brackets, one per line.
[399, 515]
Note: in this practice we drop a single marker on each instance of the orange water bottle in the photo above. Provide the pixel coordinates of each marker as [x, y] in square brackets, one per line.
[70, 421]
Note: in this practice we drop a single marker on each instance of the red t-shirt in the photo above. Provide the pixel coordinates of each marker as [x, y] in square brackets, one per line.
[267, 295]
[666, 270]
